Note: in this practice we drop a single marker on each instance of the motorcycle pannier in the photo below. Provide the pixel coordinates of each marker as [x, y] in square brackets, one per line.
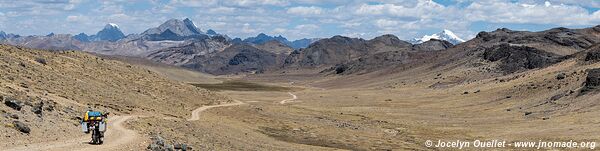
[102, 126]
[84, 127]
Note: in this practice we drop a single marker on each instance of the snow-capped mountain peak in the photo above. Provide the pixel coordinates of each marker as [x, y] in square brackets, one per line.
[444, 35]
[113, 25]
[111, 32]
[451, 35]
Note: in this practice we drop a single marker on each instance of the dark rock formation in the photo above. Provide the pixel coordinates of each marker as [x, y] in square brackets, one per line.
[561, 76]
[159, 144]
[13, 103]
[515, 58]
[592, 81]
[22, 127]
[37, 108]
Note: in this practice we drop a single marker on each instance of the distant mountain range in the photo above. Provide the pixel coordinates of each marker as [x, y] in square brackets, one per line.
[182, 43]
[182, 30]
[446, 35]
[263, 38]
[110, 32]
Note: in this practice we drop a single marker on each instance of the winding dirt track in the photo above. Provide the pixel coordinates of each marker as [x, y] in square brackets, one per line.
[117, 137]
[196, 112]
[294, 97]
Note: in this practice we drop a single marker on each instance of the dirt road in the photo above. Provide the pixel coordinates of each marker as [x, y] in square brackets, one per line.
[117, 137]
[196, 112]
[294, 97]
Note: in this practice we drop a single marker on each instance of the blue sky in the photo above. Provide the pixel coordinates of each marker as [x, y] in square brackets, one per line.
[300, 18]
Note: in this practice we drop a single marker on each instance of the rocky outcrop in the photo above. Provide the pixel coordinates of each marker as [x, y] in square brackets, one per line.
[593, 53]
[515, 58]
[568, 40]
[592, 81]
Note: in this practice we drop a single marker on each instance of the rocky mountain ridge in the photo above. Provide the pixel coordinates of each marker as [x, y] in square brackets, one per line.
[181, 43]
[263, 38]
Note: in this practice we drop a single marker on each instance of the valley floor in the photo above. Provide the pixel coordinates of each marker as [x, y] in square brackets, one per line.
[281, 112]
[405, 118]
[402, 117]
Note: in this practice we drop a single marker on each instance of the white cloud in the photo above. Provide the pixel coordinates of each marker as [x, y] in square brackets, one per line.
[247, 29]
[71, 5]
[548, 13]
[355, 34]
[307, 27]
[296, 18]
[76, 18]
[351, 24]
[222, 10]
[386, 23]
[423, 9]
[275, 2]
[194, 3]
[305, 11]
[584, 3]
[280, 30]
[110, 7]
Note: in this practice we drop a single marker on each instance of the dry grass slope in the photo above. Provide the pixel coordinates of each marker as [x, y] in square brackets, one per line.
[69, 82]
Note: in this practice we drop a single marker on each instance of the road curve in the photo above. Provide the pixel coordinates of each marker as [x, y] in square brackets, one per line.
[294, 97]
[196, 112]
[117, 137]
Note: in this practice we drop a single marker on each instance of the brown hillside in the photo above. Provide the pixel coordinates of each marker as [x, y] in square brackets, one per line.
[54, 88]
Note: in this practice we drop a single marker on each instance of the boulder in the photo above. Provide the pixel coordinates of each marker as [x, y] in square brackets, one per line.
[182, 147]
[13, 103]
[37, 108]
[41, 61]
[592, 81]
[155, 147]
[22, 127]
[169, 147]
[340, 68]
[49, 107]
[561, 76]
[14, 116]
[159, 144]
